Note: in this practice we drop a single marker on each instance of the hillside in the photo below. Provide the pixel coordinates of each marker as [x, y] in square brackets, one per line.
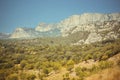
[94, 26]
[30, 59]
[81, 47]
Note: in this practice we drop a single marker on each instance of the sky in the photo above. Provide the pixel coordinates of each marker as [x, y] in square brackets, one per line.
[29, 13]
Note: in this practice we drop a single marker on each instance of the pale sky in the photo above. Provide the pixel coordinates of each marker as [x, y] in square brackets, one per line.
[29, 13]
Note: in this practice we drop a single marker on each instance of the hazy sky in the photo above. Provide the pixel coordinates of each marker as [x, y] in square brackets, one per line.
[29, 13]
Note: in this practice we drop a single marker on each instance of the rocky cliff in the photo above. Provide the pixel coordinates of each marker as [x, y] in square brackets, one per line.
[85, 21]
[4, 35]
[99, 26]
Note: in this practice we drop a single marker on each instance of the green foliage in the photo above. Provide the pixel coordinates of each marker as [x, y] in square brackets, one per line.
[46, 71]
[31, 77]
[56, 66]
[2, 75]
[8, 65]
[82, 72]
[38, 54]
[29, 66]
[70, 65]
[23, 64]
[66, 76]
[18, 58]
[38, 65]
[105, 64]
[41, 76]
[12, 77]
[23, 76]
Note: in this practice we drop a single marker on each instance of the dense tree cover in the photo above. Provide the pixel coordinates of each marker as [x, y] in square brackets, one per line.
[20, 55]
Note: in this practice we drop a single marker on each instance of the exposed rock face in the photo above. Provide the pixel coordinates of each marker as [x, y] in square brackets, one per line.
[19, 33]
[99, 26]
[32, 33]
[108, 30]
[86, 22]
[43, 27]
[4, 35]
[93, 37]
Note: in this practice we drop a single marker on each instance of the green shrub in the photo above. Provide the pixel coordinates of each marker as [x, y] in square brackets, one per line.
[105, 64]
[8, 65]
[41, 76]
[23, 64]
[46, 71]
[2, 75]
[31, 77]
[66, 76]
[70, 65]
[56, 66]
[29, 66]
[82, 72]
[12, 77]
[23, 76]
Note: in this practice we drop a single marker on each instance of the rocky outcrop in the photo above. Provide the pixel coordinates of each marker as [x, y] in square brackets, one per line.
[93, 37]
[83, 21]
[19, 33]
[4, 35]
[43, 27]
[108, 30]
[32, 33]
[97, 27]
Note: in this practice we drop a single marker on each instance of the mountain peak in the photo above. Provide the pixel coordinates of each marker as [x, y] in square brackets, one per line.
[96, 25]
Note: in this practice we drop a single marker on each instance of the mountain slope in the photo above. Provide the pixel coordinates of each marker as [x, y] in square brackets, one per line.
[80, 29]
[4, 35]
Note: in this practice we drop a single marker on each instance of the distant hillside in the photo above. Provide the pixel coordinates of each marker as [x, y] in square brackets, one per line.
[79, 29]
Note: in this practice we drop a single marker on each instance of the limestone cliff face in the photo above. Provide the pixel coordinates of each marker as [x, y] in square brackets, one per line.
[43, 27]
[19, 33]
[108, 30]
[85, 22]
[99, 26]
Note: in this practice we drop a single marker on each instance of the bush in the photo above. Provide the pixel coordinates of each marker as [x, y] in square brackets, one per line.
[105, 64]
[12, 77]
[23, 76]
[46, 71]
[2, 75]
[41, 76]
[56, 66]
[23, 64]
[31, 77]
[82, 72]
[29, 66]
[8, 65]
[70, 65]
[66, 76]
[18, 58]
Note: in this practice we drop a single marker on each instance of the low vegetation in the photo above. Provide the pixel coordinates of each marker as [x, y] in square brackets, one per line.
[31, 59]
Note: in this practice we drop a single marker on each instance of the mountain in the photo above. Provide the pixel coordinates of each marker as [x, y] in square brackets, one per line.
[33, 33]
[81, 22]
[4, 35]
[108, 30]
[83, 29]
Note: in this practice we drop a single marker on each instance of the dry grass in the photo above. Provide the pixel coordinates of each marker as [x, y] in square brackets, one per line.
[107, 74]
